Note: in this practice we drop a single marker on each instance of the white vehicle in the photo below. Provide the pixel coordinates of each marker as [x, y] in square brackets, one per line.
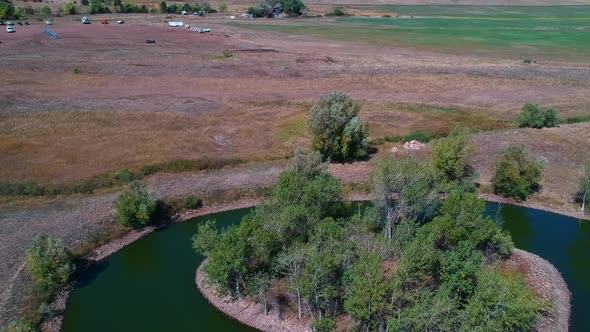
[9, 29]
[49, 22]
[184, 12]
[120, 22]
[175, 24]
[9, 23]
[85, 20]
[201, 30]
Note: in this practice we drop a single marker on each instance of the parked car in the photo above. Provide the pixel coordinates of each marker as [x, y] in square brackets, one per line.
[49, 22]
[19, 24]
[85, 20]
[9, 23]
[9, 29]
[121, 22]
[27, 23]
[2, 23]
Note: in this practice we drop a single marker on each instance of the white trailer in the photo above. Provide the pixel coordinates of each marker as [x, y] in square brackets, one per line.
[175, 24]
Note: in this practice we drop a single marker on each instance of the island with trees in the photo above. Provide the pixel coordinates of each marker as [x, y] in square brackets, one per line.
[421, 256]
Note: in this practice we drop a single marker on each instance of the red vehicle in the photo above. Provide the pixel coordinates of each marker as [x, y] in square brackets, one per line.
[104, 21]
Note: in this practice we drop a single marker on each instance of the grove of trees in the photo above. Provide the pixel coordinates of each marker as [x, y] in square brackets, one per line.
[409, 261]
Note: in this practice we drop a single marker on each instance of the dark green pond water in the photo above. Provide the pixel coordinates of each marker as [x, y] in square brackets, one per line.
[149, 285]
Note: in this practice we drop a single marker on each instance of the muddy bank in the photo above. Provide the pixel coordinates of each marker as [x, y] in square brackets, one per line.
[535, 205]
[547, 283]
[246, 311]
[540, 275]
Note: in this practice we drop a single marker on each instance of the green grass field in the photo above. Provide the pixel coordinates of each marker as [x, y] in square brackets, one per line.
[546, 32]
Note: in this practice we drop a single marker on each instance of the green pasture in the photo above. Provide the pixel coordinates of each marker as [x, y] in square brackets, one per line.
[546, 32]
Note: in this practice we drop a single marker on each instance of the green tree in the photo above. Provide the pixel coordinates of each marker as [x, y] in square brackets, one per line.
[307, 164]
[451, 155]
[163, 7]
[19, 325]
[206, 238]
[366, 292]
[500, 303]
[187, 8]
[69, 9]
[7, 11]
[135, 206]
[336, 129]
[551, 118]
[85, 2]
[292, 7]
[403, 189]
[49, 262]
[45, 10]
[461, 219]
[459, 270]
[291, 265]
[533, 116]
[584, 186]
[516, 174]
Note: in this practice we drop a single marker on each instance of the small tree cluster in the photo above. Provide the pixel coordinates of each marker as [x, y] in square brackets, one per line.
[517, 174]
[336, 128]
[135, 206]
[533, 116]
[49, 262]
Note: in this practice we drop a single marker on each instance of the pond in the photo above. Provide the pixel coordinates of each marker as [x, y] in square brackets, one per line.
[149, 285]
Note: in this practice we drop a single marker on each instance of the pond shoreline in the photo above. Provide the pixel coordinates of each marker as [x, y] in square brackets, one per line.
[540, 275]
[58, 304]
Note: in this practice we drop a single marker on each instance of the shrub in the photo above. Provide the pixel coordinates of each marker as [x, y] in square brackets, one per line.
[76, 70]
[578, 119]
[516, 174]
[323, 324]
[192, 202]
[338, 11]
[124, 175]
[532, 116]
[49, 262]
[227, 53]
[19, 325]
[336, 129]
[222, 7]
[417, 136]
[135, 206]
[451, 155]
[293, 7]
[45, 10]
[69, 9]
